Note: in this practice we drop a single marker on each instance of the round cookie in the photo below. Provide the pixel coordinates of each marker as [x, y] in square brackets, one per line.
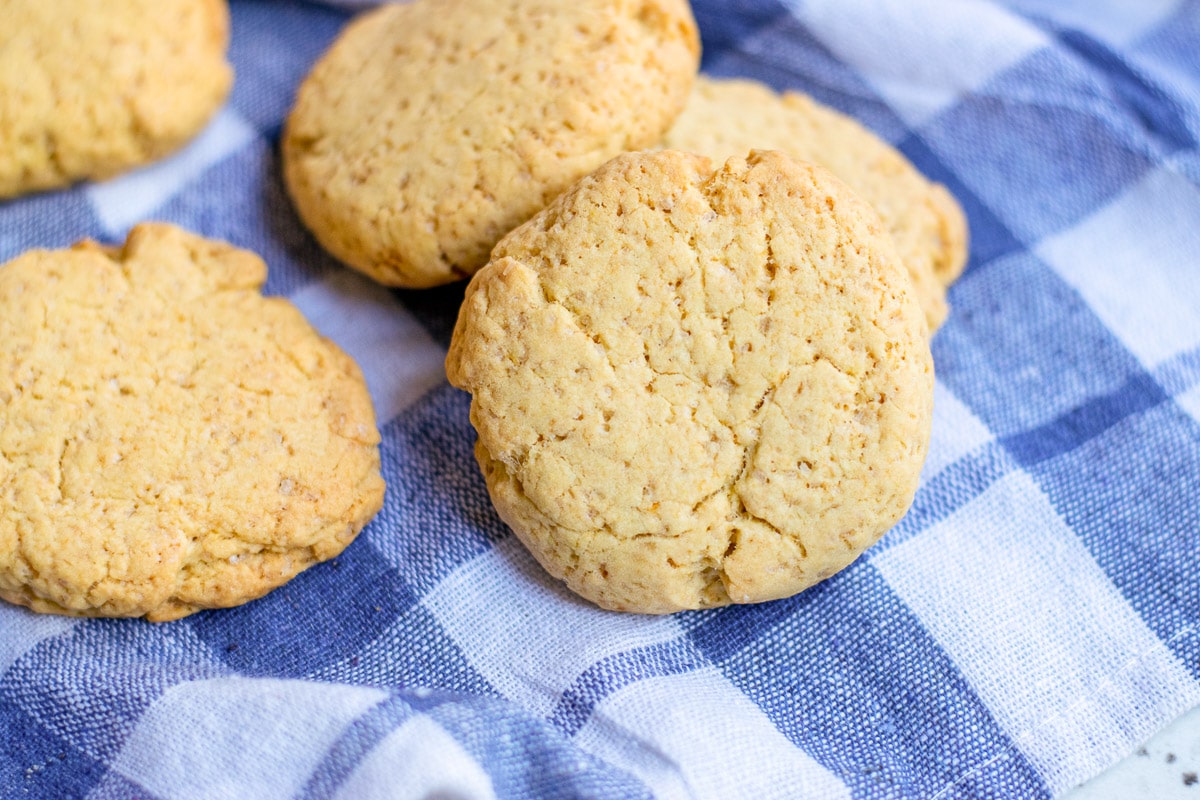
[725, 118]
[696, 387]
[170, 440]
[91, 88]
[431, 129]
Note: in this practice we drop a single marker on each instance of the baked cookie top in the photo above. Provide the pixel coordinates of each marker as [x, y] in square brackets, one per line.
[170, 440]
[431, 129]
[725, 118]
[696, 387]
[90, 88]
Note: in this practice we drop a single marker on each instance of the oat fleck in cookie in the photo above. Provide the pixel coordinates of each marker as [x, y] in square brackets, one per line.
[696, 387]
[725, 118]
[91, 88]
[431, 129]
[169, 439]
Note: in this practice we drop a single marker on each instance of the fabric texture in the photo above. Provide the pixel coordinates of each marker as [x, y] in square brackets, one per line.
[1030, 621]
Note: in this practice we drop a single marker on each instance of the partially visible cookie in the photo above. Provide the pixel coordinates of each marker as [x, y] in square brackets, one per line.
[729, 117]
[91, 88]
[431, 129]
[169, 439]
[696, 387]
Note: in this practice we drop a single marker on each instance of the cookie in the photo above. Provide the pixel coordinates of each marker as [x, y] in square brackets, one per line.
[429, 130]
[724, 118]
[170, 440]
[696, 387]
[89, 89]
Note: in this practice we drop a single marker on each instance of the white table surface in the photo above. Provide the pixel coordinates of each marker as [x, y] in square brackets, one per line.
[1166, 768]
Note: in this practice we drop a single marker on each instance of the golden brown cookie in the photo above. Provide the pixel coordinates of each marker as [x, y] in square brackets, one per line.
[169, 439]
[724, 118]
[429, 130]
[91, 88]
[696, 387]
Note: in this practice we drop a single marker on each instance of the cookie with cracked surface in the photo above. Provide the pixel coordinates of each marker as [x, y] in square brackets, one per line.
[695, 387]
[725, 118]
[89, 89]
[170, 440]
[431, 129]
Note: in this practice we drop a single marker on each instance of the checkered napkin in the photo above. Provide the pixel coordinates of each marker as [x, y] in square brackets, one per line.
[1032, 619]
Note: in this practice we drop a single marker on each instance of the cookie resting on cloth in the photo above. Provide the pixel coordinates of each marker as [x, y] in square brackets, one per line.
[91, 88]
[696, 387]
[430, 130]
[726, 118]
[170, 440]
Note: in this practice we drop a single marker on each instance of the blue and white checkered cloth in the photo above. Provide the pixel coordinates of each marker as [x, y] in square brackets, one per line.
[1034, 617]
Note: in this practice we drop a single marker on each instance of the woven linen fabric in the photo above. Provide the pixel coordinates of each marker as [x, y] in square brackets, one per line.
[1033, 618]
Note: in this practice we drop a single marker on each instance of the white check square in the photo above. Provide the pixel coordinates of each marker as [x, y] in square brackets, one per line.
[1134, 261]
[921, 57]
[132, 198]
